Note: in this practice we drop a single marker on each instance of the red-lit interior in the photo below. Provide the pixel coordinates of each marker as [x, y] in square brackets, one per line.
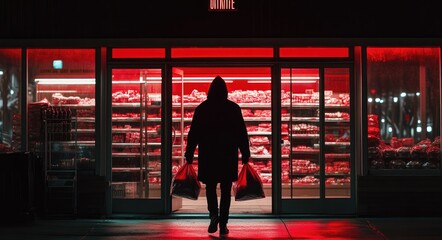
[379, 54]
[133, 76]
[74, 60]
[296, 73]
[138, 53]
[237, 78]
[10, 53]
[337, 79]
[243, 78]
[222, 52]
[313, 52]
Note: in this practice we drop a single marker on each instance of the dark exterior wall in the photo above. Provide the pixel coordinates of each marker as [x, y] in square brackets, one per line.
[399, 196]
[191, 18]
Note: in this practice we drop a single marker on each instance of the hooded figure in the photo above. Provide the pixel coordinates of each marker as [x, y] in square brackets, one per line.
[219, 131]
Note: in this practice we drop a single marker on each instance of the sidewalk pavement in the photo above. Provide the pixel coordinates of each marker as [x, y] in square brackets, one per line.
[240, 228]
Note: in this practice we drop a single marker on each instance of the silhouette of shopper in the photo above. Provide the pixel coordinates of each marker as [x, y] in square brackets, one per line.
[219, 130]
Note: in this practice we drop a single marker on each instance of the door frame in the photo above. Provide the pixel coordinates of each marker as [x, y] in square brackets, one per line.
[140, 206]
[322, 205]
[222, 63]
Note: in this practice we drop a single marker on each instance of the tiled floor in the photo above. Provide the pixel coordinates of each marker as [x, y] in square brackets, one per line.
[240, 228]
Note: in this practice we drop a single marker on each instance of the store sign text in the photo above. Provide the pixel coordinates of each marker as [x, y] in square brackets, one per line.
[222, 5]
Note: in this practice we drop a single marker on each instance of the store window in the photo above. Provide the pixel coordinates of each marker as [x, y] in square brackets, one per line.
[10, 104]
[61, 106]
[403, 107]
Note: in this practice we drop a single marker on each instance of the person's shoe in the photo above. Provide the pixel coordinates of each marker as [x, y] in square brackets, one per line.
[213, 226]
[223, 230]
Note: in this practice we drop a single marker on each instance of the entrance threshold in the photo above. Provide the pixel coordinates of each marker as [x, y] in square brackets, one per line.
[232, 216]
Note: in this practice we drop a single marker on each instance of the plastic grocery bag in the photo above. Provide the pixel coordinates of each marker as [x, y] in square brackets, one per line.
[249, 185]
[185, 183]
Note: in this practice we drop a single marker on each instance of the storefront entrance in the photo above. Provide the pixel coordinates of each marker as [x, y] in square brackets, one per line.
[314, 171]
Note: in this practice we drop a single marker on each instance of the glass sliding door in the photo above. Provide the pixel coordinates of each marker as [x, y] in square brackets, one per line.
[136, 140]
[300, 130]
[316, 159]
[337, 133]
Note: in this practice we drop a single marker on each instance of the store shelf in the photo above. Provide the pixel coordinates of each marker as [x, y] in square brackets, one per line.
[136, 105]
[80, 131]
[260, 133]
[337, 143]
[86, 143]
[305, 136]
[310, 151]
[337, 155]
[76, 105]
[261, 156]
[315, 120]
[125, 119]
[257, 119]
[84, 119]
[130, 169]
[316, 185]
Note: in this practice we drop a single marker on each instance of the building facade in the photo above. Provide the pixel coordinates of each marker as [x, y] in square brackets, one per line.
[343, 115]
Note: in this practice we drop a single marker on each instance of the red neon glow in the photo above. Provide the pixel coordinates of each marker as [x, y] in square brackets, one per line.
[222, 52]
[12, 53]
[138, 53]
[317, 229]
[239, 78]
[313, 52]
[381, 54]
[75, 60]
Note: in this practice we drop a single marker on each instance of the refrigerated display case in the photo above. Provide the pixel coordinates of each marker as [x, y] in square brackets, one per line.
[136, 133]
[315, 130]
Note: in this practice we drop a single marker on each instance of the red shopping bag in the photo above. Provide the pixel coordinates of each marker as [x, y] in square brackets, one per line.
[185, 184]
[249, 185]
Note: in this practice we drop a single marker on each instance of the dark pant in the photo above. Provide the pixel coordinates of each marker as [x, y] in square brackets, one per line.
[212, 200]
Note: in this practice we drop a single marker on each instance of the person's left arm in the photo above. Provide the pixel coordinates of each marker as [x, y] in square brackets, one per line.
[193, 137]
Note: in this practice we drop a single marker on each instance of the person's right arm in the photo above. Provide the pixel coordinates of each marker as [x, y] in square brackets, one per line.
[243, 138]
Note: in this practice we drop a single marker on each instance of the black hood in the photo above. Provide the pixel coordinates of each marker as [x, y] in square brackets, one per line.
[218, 89]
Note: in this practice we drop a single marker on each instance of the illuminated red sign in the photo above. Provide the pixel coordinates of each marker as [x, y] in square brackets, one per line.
[222, 5]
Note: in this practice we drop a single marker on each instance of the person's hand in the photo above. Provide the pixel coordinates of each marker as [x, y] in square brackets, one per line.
[189, 160]
[245, 160]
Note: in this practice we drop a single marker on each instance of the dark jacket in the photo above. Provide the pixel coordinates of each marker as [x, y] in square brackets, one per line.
[219, 130]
